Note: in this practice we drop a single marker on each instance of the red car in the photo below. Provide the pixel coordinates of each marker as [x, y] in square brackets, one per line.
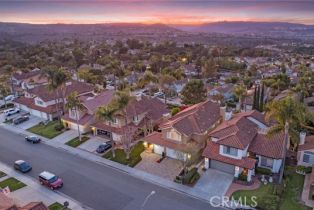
[50, 180]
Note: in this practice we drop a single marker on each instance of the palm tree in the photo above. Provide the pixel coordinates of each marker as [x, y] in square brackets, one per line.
[240, 93]
[106, 113]
[74, 104]
[4, 91]
[290, 117]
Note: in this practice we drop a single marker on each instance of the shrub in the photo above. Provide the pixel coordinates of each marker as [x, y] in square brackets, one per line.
[59, 127]
[308, 170]
[189, 176]
[264, 171]
[242, 177]
[174, 111]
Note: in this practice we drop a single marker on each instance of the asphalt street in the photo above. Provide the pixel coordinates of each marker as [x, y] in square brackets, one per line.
[94, 185]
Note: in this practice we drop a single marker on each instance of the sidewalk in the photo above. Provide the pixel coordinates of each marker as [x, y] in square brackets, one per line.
[34, 192]
[195, 193]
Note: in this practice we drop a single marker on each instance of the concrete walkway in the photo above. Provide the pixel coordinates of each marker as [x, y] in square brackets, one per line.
[306, 191]
[193, 192]
[34, 192]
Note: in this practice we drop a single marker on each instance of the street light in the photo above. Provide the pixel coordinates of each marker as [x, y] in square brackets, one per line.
[146, 199]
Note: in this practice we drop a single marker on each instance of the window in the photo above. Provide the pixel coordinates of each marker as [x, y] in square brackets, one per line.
[308, 157]
[114, 121]
[230, 151]
[173, 135]
[39, 102]
[267, 162]
[135, 118]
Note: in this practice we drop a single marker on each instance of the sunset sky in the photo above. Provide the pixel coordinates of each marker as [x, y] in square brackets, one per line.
[152, 11]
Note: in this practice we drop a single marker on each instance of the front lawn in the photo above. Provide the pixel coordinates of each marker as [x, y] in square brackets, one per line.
[135, 155]
[12, 183]
[49, 131]
[57, 206]
[2, 174]
[273, 197]
[76, 141]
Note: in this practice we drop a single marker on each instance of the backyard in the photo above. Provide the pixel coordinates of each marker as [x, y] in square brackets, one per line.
[12, 183]
[135, 155]
[273, 197]
[49, 130]
[76, 141]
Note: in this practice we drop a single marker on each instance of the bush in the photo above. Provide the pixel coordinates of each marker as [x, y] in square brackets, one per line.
[308, 170]
[188, 178]
[264, 171]
[174, 111]
[242, 177]
[59, 127]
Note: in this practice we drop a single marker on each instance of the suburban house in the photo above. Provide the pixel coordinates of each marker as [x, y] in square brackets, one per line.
[241, 144]
[24, 81]
[142, 113]
[224, 90]
[184, 135]
[306, 150]
[41, 102]
[86, 116]
[7, 203]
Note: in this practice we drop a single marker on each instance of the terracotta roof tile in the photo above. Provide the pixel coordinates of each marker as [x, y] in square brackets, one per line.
[29, 102]
[308, 144]
[102, 99]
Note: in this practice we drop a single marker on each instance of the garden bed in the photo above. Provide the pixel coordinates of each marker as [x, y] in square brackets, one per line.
[76, 141]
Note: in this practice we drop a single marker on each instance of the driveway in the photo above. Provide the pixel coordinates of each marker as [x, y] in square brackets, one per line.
[213, 183]
[92, 144]
[33, 120]
[168, 168]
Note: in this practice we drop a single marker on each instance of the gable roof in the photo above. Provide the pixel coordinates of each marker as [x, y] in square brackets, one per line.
[196, 119]
[308, 144]
[43, 93]
[103, 99]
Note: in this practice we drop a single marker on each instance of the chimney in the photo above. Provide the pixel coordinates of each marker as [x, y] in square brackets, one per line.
[302, 137]
[138, 97]
[222, 112]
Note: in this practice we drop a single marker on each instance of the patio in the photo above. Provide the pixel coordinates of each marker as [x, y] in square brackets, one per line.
[168, 168]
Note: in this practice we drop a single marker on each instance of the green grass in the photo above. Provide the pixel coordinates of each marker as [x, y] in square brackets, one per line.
[135, 155]
[12, 183]
[57, 206]
[2, 174]
[47, 131]
[268, 199]
[76, 141]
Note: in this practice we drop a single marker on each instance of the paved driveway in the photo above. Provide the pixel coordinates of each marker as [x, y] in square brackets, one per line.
[92, 144]
[33, 120]
[213, 183]
[168, 168]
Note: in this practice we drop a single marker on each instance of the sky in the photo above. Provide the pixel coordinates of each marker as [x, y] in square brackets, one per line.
[184, 12]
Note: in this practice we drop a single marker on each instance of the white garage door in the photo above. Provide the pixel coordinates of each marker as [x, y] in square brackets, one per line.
[222, 166]
[158, 149]
[39, 114]
[174, 154]
[24, 108]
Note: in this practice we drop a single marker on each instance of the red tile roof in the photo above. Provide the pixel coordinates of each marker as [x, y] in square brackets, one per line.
[82, 121]
[196, 119]
[308, 144]
[212, 152]
[43, 93]
[29, 102]
[272, 147]
[102, 99]
[156, 138]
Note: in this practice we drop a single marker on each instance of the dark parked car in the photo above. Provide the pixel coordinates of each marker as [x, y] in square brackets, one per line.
[50, 180]
[103, 147]
[33, 139]
[20, 119]
[22, 166]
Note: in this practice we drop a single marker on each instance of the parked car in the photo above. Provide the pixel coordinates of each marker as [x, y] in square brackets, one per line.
[33, 139]
[9, 98]
[159, 94]
[50, 180]
[103, 147]
[11, 111]
[22, 166]
[20, 119]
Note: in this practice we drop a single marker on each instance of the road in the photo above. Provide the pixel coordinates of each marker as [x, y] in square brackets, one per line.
[94, 185]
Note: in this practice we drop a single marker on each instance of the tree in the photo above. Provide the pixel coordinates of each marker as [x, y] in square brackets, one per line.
[261, 103]
[194, 92]
[290, 117]
[240, 92]
[4, 91]
[148, 77]
[164, 82]
[74, 104]
[106, 113]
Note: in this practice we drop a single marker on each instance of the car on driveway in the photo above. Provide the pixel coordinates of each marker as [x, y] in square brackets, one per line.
[103, 147]
[11, 111]
[20, 120]
[33, 139]
[50, 180]
[22, 166]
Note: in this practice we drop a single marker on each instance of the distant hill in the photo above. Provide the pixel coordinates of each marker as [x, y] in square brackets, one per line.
[253, 28]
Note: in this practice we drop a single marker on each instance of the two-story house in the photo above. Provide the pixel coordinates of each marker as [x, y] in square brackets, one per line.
[142, 113]
[306, 150]
[241, 144]
[86, 116]
[184, 135]
[41, 102]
